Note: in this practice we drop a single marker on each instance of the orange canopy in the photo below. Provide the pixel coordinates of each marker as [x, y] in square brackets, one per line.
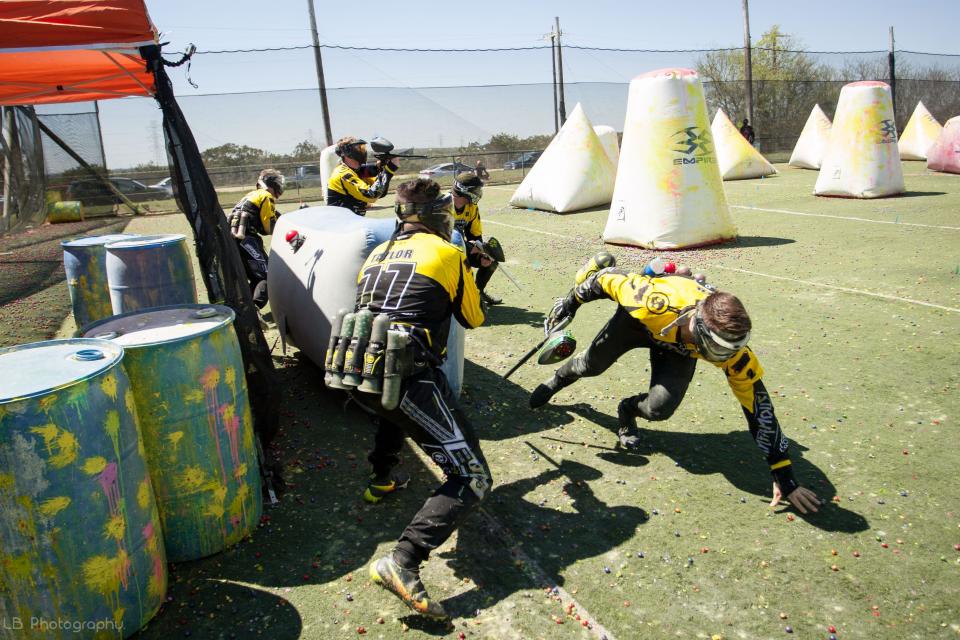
[73, 50]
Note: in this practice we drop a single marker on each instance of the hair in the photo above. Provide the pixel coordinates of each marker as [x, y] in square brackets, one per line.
[269, 173]
[469, 179]
[419, 191]
[724, 313]
[343, 143]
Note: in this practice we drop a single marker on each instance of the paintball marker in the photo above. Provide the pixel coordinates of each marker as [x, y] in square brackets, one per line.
[492, 250]
[383, 150]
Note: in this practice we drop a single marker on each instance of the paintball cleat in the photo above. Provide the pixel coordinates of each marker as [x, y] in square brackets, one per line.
[627, 433]
[542, 394]
[489, 299]
[406, 585]
[377, 488]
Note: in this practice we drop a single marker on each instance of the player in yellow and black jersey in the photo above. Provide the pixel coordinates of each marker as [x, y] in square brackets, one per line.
[250, 218]
[679, 321]
[355, 184]
[420, 280]
[484, 257]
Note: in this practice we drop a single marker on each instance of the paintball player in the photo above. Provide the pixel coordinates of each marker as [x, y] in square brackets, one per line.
[467, 191]
[252, 217]
[480, 170]
[680, 321]
[425, 280]
[746, 130]
[355, 183]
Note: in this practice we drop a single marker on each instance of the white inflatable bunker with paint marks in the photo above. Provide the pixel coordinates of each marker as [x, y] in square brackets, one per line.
[573, 173]
[812, 143]
[736, 158]
[944, 155]
[862, 159]
[668, 192]
[608, 138]
[309, 287]
[919, 135]
[328, 162]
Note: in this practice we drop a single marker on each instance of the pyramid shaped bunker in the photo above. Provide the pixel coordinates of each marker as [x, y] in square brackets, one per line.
[812, 144]
[736, 158]
[944, 155]
[668, 193]
[862, 159]
[610, 142]
[573, 173]
[918, 136]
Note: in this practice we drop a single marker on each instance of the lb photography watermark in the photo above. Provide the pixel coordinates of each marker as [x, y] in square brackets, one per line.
[32, 623]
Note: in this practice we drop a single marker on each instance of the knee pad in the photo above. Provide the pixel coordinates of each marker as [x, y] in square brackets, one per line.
[658, 405]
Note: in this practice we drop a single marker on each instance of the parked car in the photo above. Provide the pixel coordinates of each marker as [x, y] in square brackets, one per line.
[302, 177]
[445, 169]
[523, 161]
[166, 184]
[92, 192]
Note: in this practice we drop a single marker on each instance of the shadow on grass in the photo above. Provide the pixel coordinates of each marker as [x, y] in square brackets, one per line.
[504, 314]
[736, 456]
[744, 242]
[920, 194]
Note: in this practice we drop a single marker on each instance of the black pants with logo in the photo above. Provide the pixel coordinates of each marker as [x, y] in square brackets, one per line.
[429, 415]
[255, 264]
[670, 371]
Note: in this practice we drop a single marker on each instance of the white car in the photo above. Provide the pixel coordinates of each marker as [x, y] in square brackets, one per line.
[166, 184]
[445, 169]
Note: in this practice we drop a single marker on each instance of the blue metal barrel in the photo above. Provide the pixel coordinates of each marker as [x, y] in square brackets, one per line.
[85, 261]
[150, 271]
[187, 377]
[79, 529]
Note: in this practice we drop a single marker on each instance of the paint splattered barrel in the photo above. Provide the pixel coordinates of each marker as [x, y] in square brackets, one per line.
[150, 271]
[82, 552]
[85, 261]
[186, 373]
[64, 211]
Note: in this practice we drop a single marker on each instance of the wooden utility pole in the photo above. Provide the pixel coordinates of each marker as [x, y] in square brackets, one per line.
[563, 104]
[747, 63]
[892, 64]
[553, 63]
[321, 83]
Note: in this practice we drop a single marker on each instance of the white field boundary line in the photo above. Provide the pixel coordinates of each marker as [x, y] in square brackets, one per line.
[768, 275]
[838, 288]
[515, 226]
[826, 215]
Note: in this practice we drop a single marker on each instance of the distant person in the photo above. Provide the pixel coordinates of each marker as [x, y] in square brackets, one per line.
[481, 171]
[252, 217]
[482, 256]
[747, 131]
[356, 184]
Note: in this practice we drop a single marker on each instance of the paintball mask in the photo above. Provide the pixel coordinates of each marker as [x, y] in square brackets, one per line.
[473, 193]
[356, 150]
[436, 215]
[711, 344]
[271, 179]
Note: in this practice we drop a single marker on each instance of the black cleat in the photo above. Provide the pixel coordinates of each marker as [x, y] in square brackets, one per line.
[542, 394]
[627, 434]
[406, 585]
[489, 299]
[378, 488]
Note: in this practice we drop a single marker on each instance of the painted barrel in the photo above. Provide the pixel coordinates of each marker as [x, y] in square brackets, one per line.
[85, 262]
[64, 211]
[186, 373]
[82, 552]
[150, 271]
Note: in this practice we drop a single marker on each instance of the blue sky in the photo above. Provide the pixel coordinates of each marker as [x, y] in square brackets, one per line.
[277, 121]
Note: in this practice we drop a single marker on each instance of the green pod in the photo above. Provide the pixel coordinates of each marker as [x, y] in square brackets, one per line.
[346, 334]
[393, 369]
[332, 346]
[353, 361]
[374, 355]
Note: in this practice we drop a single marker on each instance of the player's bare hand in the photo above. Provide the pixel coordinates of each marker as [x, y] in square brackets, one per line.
[802, 498]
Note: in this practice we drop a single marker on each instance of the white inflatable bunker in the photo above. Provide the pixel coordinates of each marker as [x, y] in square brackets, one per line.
[309, 287]
[944, 155]
[573, 173]
[918, 136]
[668, 193]
[328, 162]
[608, 138]
[812, 143]
[862, 159]
[736, 158]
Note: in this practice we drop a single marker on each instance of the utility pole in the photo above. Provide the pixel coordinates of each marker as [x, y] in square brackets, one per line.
[321, 83]
[563, 105]
[553, 63]
[747, 64]
[891, 63]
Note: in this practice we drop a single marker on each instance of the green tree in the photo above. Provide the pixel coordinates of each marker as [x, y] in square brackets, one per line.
[231, 154]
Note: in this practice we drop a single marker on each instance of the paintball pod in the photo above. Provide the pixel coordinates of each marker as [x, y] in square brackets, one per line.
[558, 342]
[383, 150]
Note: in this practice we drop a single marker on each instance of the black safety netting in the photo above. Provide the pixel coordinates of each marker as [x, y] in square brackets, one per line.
[22, 179]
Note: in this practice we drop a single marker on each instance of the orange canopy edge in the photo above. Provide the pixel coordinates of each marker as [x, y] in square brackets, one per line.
[73, 50]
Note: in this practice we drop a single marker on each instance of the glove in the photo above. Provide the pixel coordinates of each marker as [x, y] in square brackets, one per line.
[563, 309]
